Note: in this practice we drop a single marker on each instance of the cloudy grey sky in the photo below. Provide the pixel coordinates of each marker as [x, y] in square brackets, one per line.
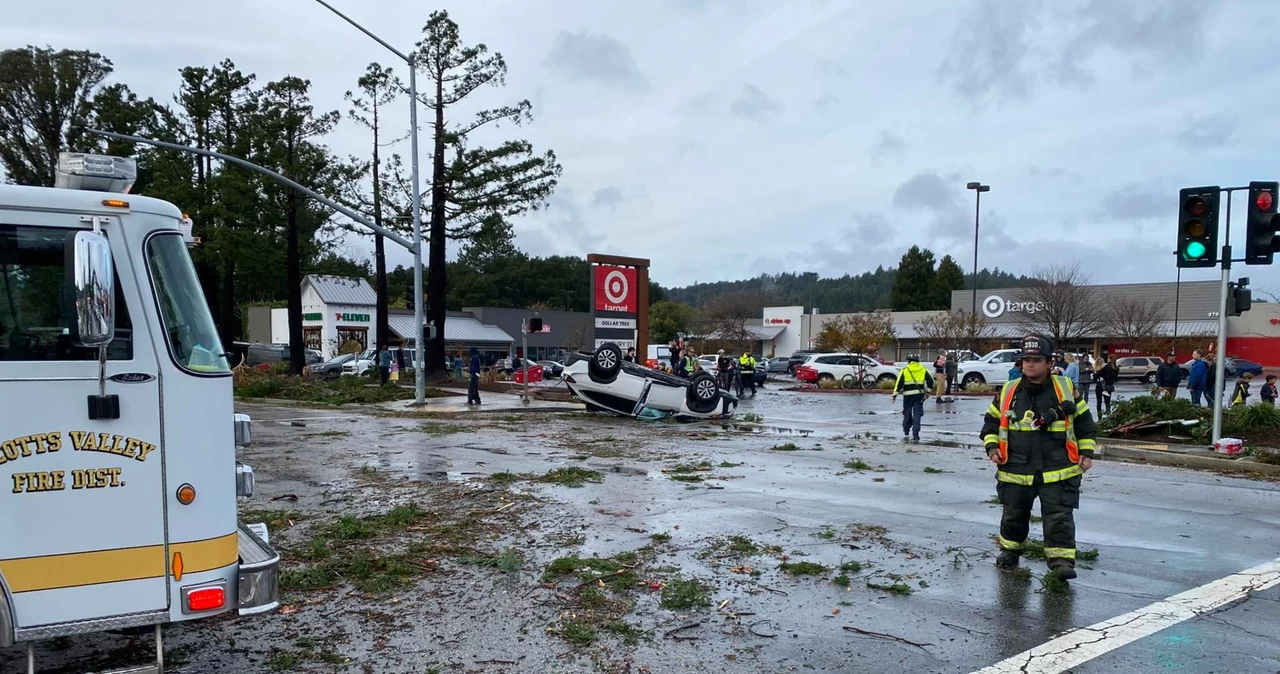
[726, 138]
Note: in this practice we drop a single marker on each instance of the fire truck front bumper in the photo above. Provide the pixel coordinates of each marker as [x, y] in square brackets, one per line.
[259, 583]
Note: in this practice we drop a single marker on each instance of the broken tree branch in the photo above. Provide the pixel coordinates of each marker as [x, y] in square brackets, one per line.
[880, 635]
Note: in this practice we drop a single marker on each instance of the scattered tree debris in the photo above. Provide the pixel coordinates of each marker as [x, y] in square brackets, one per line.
[881, 635]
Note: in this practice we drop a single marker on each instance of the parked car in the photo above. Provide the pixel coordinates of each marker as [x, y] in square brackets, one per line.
[797, 359]
[992, 368]
[368, 359]
[253, 354]
[777, 365]
[1141, 368]
[1237, 366]
[605, 382]
[551, 369]
[331, 367]
[836, 366]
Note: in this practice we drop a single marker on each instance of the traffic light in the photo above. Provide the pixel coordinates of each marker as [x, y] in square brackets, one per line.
[1262, 242]
[1239, 297]
[408, 297]
[535, 325]
[1198, 227]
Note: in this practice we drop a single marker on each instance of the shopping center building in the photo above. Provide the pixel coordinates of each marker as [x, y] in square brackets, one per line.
[1187, 310]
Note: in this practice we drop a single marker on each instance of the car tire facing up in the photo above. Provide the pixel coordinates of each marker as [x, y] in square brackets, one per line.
[703, 394]
[605, 364]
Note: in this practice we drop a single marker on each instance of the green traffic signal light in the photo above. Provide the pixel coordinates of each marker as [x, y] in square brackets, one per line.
[1195, 250]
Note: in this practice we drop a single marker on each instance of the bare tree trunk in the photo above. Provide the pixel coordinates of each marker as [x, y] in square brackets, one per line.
[297, 347]
[436, 282]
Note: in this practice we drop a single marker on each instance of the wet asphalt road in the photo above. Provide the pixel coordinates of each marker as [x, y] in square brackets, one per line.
[1160, 531]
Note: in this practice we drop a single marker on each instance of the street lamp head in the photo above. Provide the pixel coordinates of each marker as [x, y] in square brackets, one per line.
[973, 186]
[984, 188]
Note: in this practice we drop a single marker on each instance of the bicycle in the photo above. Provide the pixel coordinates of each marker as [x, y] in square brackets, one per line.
[864, 380]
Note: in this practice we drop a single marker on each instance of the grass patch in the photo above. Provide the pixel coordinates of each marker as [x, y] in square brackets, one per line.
[741, 545]
[900, 589]
[752, 417]
[931, 469]
[283, 661]
[842, 580]
[726, 464]
[577, 632]
[802, 568]
[617, 572]
[733, 546]
[505, 477]
[437, 428]
[1087, 555]
[857, 464]
[994, 500]
[682, 593]
[685, 478]
[630, 634]
[663, 537]
[572, 476]
[785, 447]
[509, 561]
[850, 567]
[826, 534]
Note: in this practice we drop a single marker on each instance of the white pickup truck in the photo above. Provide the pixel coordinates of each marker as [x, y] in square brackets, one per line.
[965, 356]
[992, 368]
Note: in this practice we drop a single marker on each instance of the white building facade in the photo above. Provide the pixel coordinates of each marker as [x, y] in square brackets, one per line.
[334, 311]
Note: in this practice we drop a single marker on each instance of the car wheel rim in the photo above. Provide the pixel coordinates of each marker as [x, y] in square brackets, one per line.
[706, 390]
[605, 359]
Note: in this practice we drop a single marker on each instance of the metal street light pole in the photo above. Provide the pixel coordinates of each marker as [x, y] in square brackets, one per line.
[978, 189]
[420, 383]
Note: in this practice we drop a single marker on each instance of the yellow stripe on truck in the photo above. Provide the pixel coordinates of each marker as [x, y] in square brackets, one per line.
[51, 572]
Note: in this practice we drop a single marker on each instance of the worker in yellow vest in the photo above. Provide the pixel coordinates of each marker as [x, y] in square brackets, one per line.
[1041, 435]
[913, 385]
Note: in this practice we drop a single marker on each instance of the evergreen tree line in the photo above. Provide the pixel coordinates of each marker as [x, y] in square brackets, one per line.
[916, 284]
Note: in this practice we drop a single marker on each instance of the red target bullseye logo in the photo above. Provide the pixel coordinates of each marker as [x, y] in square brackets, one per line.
[615, 289]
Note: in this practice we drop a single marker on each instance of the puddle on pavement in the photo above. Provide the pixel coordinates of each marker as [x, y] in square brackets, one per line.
[399, 464]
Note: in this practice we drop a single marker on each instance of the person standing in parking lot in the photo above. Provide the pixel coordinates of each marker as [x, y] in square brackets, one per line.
[631, 355]
[1086, 376]
[384, 364]
[939, 377]
[1169, 375]
[747, 373]
[913, 383]
[1197, 376]
[953, 367]
[1106, 385]
[724, 370]
[473, 388]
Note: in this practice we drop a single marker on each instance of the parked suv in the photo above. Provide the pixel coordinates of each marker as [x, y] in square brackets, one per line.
[797, 359]
[1142, 368]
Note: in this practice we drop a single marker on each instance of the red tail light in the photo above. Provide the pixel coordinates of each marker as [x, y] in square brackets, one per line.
[206, 599]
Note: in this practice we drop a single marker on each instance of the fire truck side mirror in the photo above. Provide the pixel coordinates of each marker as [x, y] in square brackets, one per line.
[91, 280]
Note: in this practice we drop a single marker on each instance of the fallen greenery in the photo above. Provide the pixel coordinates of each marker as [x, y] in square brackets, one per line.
[254, 383]
[900, 589]
[802, 568]
[752, 418]
[572, 476]
[931, 469]
[785, 447]
[685, 593]
[857, 464]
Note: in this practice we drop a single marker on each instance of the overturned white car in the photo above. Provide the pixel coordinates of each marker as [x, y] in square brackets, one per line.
[604, 381]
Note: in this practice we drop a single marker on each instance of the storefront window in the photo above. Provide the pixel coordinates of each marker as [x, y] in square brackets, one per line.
[357, 335]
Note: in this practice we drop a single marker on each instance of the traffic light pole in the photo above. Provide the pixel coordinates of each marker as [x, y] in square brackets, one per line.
[1220, 366]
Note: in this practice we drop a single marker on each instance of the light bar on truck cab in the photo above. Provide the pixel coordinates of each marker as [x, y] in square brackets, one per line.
[95, 172]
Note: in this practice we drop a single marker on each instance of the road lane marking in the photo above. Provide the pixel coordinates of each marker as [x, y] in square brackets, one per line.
[1086, 643]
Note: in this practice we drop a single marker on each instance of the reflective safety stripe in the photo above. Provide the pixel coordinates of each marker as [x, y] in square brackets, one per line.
[1015, 478]
[990, 439]
[1088, 445]
[1060, 553]
[1082, 407]
[1006, 402]
[1062, 386]
[913, 392]
[1064, 474]
[1056, 427]
[1006, 544]
[993, 411]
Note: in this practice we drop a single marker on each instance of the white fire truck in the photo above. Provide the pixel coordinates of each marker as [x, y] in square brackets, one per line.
[118, 436]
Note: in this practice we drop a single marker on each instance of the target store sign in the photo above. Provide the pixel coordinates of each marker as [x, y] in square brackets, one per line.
[616, 289]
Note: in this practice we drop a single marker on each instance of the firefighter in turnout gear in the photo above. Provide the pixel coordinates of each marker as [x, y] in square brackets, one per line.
[1041, 435]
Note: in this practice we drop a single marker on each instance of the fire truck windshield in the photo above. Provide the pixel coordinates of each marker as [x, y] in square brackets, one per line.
[188, 326]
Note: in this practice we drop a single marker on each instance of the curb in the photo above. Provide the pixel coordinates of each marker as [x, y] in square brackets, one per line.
[1160, 457]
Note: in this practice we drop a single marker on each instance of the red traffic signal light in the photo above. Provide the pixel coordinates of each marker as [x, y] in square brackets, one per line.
[1261, 242]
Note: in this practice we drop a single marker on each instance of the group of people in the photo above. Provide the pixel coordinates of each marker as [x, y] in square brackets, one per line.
[731, 373]
[1202, 382]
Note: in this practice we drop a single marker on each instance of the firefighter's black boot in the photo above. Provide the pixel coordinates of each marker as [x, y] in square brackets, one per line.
[1007, 560]
[1062, 568]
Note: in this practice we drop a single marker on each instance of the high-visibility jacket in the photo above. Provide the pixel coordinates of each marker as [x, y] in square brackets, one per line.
[747, 364]
[913, 380]
[1024, 449]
